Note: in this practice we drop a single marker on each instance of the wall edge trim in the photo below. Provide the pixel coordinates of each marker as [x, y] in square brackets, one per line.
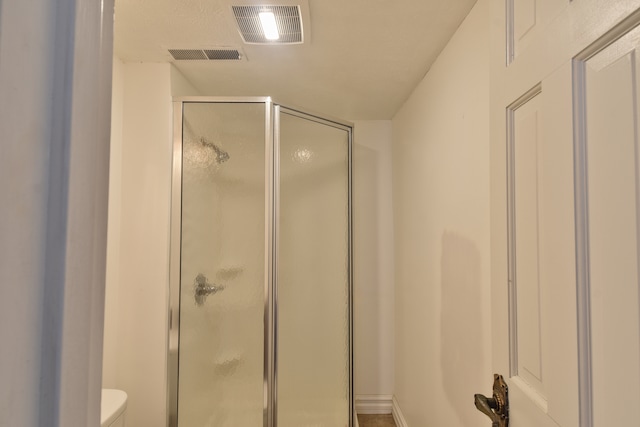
[397, 413]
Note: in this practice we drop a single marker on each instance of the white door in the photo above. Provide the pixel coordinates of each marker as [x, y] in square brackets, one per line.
[566, 210]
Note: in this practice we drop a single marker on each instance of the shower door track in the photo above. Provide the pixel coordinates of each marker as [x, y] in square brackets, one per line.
[273, 111]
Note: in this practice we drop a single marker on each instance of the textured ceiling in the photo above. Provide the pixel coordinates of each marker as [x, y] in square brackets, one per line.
[362, 59]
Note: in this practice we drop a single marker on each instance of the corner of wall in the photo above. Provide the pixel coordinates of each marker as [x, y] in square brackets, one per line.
[138, 241]
[373, 261]
[180, 85]
[398, 417]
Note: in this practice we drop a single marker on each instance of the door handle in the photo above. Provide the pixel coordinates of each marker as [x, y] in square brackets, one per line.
[202, 289]
[496, 407]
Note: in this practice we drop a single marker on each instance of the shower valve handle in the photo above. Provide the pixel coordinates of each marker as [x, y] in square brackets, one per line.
[202, 289]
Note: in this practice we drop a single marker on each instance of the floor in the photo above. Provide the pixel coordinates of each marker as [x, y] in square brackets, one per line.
[376, 420]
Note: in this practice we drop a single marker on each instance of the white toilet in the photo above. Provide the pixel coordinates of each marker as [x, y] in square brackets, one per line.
[114, 408]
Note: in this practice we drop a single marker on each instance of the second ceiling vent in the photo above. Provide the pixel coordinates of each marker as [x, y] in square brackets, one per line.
[288, 21]
[205, 54]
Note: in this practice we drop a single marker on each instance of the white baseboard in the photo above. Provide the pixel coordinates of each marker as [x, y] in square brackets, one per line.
[397, 413]
[380, 404]
[374, 403]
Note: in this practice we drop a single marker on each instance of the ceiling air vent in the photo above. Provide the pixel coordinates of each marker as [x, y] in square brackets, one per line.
[288, 22]
[205, 54]
[222, 54]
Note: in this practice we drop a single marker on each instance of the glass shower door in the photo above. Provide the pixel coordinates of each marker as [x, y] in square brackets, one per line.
[313, 289]
[222, 266]
[261, 325]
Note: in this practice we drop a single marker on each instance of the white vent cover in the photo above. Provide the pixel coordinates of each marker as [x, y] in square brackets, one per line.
[288, 21]
[205, 54]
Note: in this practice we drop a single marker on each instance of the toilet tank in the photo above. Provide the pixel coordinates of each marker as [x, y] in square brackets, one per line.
[113, 409]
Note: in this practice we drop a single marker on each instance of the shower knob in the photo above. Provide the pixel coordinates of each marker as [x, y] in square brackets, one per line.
[202, 289]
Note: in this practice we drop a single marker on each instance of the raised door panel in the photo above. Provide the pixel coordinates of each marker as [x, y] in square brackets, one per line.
[526, 284]
[542, 305]
[611, 101]
[526, 19]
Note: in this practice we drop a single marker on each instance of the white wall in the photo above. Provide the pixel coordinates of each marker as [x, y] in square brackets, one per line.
[441, 216]
[112, 329]
[373, 266]
[138, 252]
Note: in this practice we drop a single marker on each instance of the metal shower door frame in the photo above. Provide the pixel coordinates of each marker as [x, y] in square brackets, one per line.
[273, 112]
[347, 127]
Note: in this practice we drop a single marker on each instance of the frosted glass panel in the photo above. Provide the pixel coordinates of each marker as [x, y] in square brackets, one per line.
[313, 277]
[223, 229]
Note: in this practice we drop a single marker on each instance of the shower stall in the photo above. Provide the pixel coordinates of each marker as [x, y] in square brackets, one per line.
[261, 323]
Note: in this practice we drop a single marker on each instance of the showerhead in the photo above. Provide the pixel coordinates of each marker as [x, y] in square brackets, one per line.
[221, 155]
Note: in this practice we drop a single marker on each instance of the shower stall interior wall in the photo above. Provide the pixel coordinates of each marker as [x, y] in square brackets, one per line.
[261, 273]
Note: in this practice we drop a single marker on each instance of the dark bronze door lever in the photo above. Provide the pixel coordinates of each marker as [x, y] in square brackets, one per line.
[496, 407]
